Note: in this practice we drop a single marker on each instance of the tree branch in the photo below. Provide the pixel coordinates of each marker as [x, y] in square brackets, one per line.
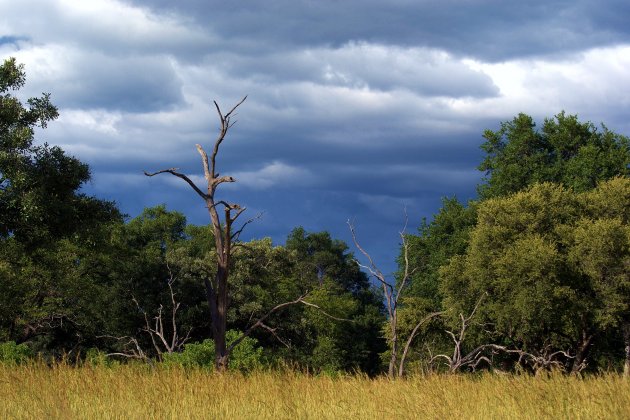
[172, 171]
[236, 235]
[412, 336]
[261, 320]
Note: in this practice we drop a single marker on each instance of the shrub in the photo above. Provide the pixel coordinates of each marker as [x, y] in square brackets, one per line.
[245, 357]
[13, 353]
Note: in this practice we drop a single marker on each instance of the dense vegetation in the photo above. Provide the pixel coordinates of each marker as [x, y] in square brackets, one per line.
[534, 274]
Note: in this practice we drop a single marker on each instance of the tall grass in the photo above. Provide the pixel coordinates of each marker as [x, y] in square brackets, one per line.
[134, 392]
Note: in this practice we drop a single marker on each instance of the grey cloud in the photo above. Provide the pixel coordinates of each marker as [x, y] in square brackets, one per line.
[361, 107]
[490, 30]
[89, 80]
[113, 29]
[361, 65]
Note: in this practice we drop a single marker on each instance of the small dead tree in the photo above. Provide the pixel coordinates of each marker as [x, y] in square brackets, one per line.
[459, 360]
[392, 294]
[225, 238]
[164, 340]
[545, 360]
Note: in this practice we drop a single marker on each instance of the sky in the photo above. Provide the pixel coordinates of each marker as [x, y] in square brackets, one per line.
[356, 109]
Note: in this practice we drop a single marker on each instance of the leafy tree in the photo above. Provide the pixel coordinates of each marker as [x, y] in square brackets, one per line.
[565, 151]
[39, 198]
[445, 236]
[553, 264]
[326, 266]
[49, 231]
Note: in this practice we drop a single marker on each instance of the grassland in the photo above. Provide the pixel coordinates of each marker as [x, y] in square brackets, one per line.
[136, 392]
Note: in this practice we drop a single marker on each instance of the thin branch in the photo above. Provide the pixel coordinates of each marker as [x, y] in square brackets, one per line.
[374, 269]
[326, 313]
[406, 258]
[172, 171]
[261, 320]
[273, 332]
[227, 116]
[225, 126]
[237, 234]
[135, 353]
[430, 316]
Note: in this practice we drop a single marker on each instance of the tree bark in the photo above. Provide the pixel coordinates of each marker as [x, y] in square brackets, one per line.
[626, 342]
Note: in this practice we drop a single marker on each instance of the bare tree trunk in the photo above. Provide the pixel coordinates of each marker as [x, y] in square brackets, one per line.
[224, 238]
[391, 371]
[391, 292]
[584, 345]
[626, 342]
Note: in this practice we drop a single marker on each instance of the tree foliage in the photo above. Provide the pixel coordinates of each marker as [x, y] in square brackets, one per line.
[565, 151]
[554, 270]
[576, 157]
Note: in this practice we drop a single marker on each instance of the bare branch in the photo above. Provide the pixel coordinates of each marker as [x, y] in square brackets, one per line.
[225, 126]
[405, 247]
[172, 171]
[134, 353]
[234, 107]
[273, 332]
[206, 169]
[236, 235]
[326, 313]
[401, 366]
[373, 268]
[261, 320]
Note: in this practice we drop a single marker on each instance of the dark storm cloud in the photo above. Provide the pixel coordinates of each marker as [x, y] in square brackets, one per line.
[486, 29]
[356, 109]
[133, 84]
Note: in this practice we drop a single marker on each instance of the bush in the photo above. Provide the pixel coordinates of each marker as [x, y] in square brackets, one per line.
[13, 353]
[245, 357]
[194, 355]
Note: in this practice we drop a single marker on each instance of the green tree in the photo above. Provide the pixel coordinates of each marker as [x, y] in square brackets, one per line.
[341, 289]
[39, 198]
[48, 229]
[551, 262]
[565, 151]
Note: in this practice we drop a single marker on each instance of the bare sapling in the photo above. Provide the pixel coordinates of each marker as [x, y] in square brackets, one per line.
[393, 293]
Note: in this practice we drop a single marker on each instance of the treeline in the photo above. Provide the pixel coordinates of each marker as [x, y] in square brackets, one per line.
[534, 274]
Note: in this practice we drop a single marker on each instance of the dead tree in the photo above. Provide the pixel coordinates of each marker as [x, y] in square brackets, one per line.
[393, 294]
[164, 340]
[483, 354]
[225, 237]
[459, 360]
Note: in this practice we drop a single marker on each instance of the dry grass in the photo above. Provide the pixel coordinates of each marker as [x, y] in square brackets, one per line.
[134, 392]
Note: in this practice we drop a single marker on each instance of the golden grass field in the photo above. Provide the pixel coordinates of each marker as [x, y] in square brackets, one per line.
[138, 392]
